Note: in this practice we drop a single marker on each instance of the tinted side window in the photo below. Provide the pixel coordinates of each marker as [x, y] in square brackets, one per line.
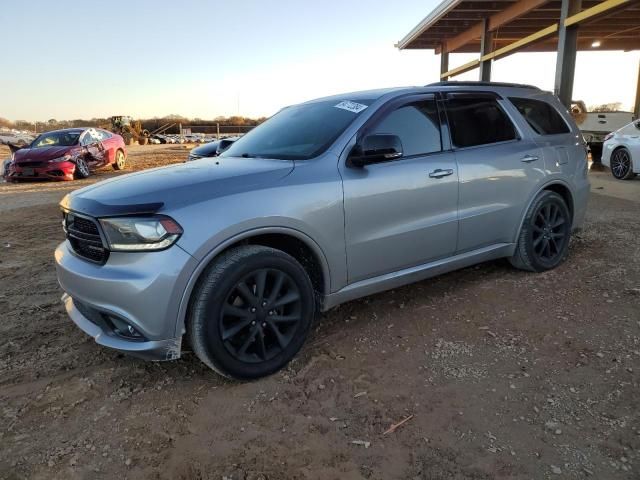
[542, 117]
[418, 126]
[478, 120]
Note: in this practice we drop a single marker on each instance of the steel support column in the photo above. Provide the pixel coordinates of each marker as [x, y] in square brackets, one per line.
[486, 46]
[444, 63]
[636, 105]
[567, 48]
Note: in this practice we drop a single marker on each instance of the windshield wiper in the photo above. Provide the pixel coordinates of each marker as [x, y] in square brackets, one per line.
[247, 155]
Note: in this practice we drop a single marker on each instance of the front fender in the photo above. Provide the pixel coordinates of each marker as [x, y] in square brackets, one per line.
[206, 259]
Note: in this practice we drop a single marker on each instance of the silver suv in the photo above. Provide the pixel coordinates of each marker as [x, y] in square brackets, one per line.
[327, 201]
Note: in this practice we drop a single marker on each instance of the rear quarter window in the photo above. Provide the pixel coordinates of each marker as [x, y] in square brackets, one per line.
[542, 117]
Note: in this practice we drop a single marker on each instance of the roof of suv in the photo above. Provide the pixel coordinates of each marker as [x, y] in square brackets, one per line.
[453, 85]
[481, 84]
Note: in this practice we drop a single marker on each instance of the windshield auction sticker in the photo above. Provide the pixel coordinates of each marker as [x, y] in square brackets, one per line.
[351, 106]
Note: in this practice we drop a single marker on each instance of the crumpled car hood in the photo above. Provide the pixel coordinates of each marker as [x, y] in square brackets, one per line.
[41, 153]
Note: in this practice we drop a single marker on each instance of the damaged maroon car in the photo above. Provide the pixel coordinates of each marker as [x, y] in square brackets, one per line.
[66, 154]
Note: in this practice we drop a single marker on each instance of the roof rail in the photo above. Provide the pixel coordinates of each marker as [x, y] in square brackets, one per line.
[480, 84]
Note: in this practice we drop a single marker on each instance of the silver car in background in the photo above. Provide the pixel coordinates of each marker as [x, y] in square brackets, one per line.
[621, 152]
[325, 202]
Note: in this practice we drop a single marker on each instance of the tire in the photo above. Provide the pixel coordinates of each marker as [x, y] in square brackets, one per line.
[543, 242]
[248, 295]
[120, 160]
[621, 164]
[82, 169]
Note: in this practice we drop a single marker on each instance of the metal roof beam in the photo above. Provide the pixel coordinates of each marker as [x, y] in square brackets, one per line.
[595, 11]
[461, 69]
[495, 21]
[511, 48]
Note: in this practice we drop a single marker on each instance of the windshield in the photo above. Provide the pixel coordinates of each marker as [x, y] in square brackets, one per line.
[56, 139]
[299, 132]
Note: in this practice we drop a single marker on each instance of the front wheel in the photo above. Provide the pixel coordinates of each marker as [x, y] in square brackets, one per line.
[251, 312]
[543, 243]
[82, 168]
[120, 160]
[621, 164]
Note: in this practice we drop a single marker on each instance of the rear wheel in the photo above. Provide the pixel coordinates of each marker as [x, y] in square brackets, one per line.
[251, 312]
[543, 243]
[82, 168]
[120, 160]
[621, 164]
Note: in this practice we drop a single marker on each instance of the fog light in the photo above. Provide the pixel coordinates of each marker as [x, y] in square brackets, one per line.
[122, 328]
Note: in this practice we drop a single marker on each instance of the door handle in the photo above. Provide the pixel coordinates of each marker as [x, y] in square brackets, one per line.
[529, 158]
[439, 173]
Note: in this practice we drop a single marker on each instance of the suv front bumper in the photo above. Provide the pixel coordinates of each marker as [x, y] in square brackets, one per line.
[147, 350]
[142, 290]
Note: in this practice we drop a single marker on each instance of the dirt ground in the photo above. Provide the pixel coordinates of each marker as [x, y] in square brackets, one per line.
[501, 373]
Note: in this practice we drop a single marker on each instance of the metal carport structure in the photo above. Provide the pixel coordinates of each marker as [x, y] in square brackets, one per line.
[497, 28]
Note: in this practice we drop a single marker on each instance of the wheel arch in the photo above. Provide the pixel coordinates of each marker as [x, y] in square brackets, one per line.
[564, 191]
[297, 244]
[558, 186]
[621, 146]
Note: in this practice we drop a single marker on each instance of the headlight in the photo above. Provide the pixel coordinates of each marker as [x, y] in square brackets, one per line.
[128, 234]
[64, 158]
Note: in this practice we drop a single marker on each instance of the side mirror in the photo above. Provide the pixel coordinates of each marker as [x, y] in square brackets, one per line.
[376, 148]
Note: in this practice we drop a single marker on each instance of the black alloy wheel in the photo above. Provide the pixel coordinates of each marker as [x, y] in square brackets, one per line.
[260, 315]
[251, 312]
[549, 232]
[543, 242]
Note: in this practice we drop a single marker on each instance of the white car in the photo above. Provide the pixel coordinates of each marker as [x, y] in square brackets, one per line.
[621, 151]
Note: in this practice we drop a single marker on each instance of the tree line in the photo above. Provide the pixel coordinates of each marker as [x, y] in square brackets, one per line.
[148, 123]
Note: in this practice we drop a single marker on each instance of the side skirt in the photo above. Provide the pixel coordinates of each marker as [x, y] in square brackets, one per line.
[406, 276]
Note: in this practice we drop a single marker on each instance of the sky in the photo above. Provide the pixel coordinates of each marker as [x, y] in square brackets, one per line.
[76, 59]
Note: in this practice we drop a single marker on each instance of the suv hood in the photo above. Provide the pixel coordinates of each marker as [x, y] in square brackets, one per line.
[176, 185]
[40, 153]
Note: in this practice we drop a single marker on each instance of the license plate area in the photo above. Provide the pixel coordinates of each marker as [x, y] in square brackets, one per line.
[28, 172]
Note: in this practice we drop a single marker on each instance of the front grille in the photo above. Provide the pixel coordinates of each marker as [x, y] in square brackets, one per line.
[85, 239]
[30, 164]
